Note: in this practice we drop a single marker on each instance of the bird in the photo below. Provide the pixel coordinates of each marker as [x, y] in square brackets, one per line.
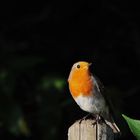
[86, 90]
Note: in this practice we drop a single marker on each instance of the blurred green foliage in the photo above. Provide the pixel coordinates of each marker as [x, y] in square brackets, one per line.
[25, 108]
[52, 82]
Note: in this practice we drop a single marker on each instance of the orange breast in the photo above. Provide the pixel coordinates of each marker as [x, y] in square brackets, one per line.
[81, 84]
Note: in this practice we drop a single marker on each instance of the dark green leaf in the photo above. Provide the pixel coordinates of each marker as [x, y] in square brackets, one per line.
[134, 126]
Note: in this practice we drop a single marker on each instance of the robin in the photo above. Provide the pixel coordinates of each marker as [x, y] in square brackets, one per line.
[87, 93]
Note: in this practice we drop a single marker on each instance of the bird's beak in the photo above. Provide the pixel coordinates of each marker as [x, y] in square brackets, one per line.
[89, 64]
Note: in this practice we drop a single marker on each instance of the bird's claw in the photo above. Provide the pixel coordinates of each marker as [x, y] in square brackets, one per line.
[98, 119]
[84, 118]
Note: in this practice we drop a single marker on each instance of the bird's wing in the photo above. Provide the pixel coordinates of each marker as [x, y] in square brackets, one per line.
[98, 84]
[109, 119]
[101, 89]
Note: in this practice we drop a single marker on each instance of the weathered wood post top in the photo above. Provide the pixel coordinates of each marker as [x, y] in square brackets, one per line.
[87, 130]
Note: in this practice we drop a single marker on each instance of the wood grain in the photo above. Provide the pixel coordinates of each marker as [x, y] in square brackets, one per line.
[86, 130]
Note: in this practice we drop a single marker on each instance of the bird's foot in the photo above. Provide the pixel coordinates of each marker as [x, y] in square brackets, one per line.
[98, 119]
[85, 117]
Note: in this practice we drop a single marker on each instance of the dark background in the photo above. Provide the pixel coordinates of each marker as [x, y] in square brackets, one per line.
[40, 41]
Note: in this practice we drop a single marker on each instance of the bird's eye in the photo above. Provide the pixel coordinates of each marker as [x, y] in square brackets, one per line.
[78, 66]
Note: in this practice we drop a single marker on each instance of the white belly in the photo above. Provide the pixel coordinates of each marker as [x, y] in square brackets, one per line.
[90, 104]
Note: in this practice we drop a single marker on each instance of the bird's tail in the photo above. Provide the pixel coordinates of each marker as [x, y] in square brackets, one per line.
[113, 125]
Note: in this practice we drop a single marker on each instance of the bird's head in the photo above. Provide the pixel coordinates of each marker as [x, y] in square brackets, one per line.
[80, 70]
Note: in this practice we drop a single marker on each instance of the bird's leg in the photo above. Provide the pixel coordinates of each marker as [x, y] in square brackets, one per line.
[85, 117]
[97, 119]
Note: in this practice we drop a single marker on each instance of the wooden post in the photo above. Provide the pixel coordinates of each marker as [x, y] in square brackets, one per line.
[86, 130]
